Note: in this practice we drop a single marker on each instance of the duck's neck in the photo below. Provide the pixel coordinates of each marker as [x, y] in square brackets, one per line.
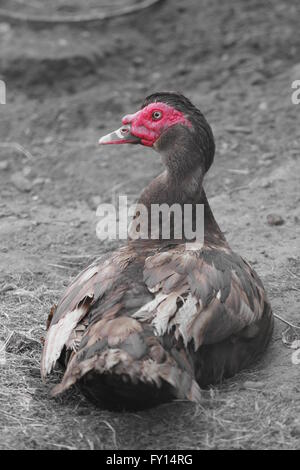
[170, 189]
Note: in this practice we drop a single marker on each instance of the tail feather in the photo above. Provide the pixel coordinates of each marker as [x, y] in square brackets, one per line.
[115, 379]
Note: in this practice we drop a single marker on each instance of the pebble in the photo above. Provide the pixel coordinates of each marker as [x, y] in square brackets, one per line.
[5, 28]
[21, 182]
[27, 171]
[229, 40]
[265, 183]
[257, 79]
[77, 223]
[156, 76]
[275, 219]
[62, 42]
[4, 165]
[295, 432]
[263, 106]
[94, 202]
[138, 61]
[38, 181]
[182, 70]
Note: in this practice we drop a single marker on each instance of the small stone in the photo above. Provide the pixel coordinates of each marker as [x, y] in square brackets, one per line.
[295, 432]
[156, 76]
[94, 202]
[4, 165]
[77, 223]
[182, 70]
[62, 42]
[257, 79]
[263, 106]
[229, 40]
[265, 183]
[27, 171]
[21, 182]
[275, 219]
[137, 61]
[38, 181]
[48, 140]
[5, 28]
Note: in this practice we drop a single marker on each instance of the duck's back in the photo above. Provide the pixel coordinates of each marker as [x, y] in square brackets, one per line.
[145, 325]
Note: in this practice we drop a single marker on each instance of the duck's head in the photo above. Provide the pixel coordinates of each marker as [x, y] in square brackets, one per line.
[169, 123]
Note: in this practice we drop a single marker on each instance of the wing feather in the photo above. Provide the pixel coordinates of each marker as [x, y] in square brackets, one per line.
[221, 295]
[83, 293]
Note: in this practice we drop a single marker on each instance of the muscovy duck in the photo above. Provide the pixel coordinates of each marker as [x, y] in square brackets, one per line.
[154, 320]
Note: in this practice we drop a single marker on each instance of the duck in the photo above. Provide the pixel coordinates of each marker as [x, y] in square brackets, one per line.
[161, 319]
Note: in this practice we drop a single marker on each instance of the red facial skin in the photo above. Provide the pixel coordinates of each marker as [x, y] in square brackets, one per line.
[147, 128]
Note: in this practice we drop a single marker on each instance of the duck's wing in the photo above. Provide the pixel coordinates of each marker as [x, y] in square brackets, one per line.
[98, 310]
[202, 297]
[68, 320]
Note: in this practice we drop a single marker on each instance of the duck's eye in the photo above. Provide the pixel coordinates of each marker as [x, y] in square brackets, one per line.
[156, 115]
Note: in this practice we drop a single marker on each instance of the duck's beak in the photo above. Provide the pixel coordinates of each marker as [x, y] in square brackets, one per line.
[121, 136]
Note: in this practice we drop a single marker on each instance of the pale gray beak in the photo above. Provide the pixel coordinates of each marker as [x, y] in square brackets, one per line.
[121, 136]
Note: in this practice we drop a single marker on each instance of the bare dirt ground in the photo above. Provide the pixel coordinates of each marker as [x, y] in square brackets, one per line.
[67, 86]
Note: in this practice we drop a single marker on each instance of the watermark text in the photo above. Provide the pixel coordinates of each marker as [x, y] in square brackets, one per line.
[296, 93]
[2, 92]
[159, 221]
